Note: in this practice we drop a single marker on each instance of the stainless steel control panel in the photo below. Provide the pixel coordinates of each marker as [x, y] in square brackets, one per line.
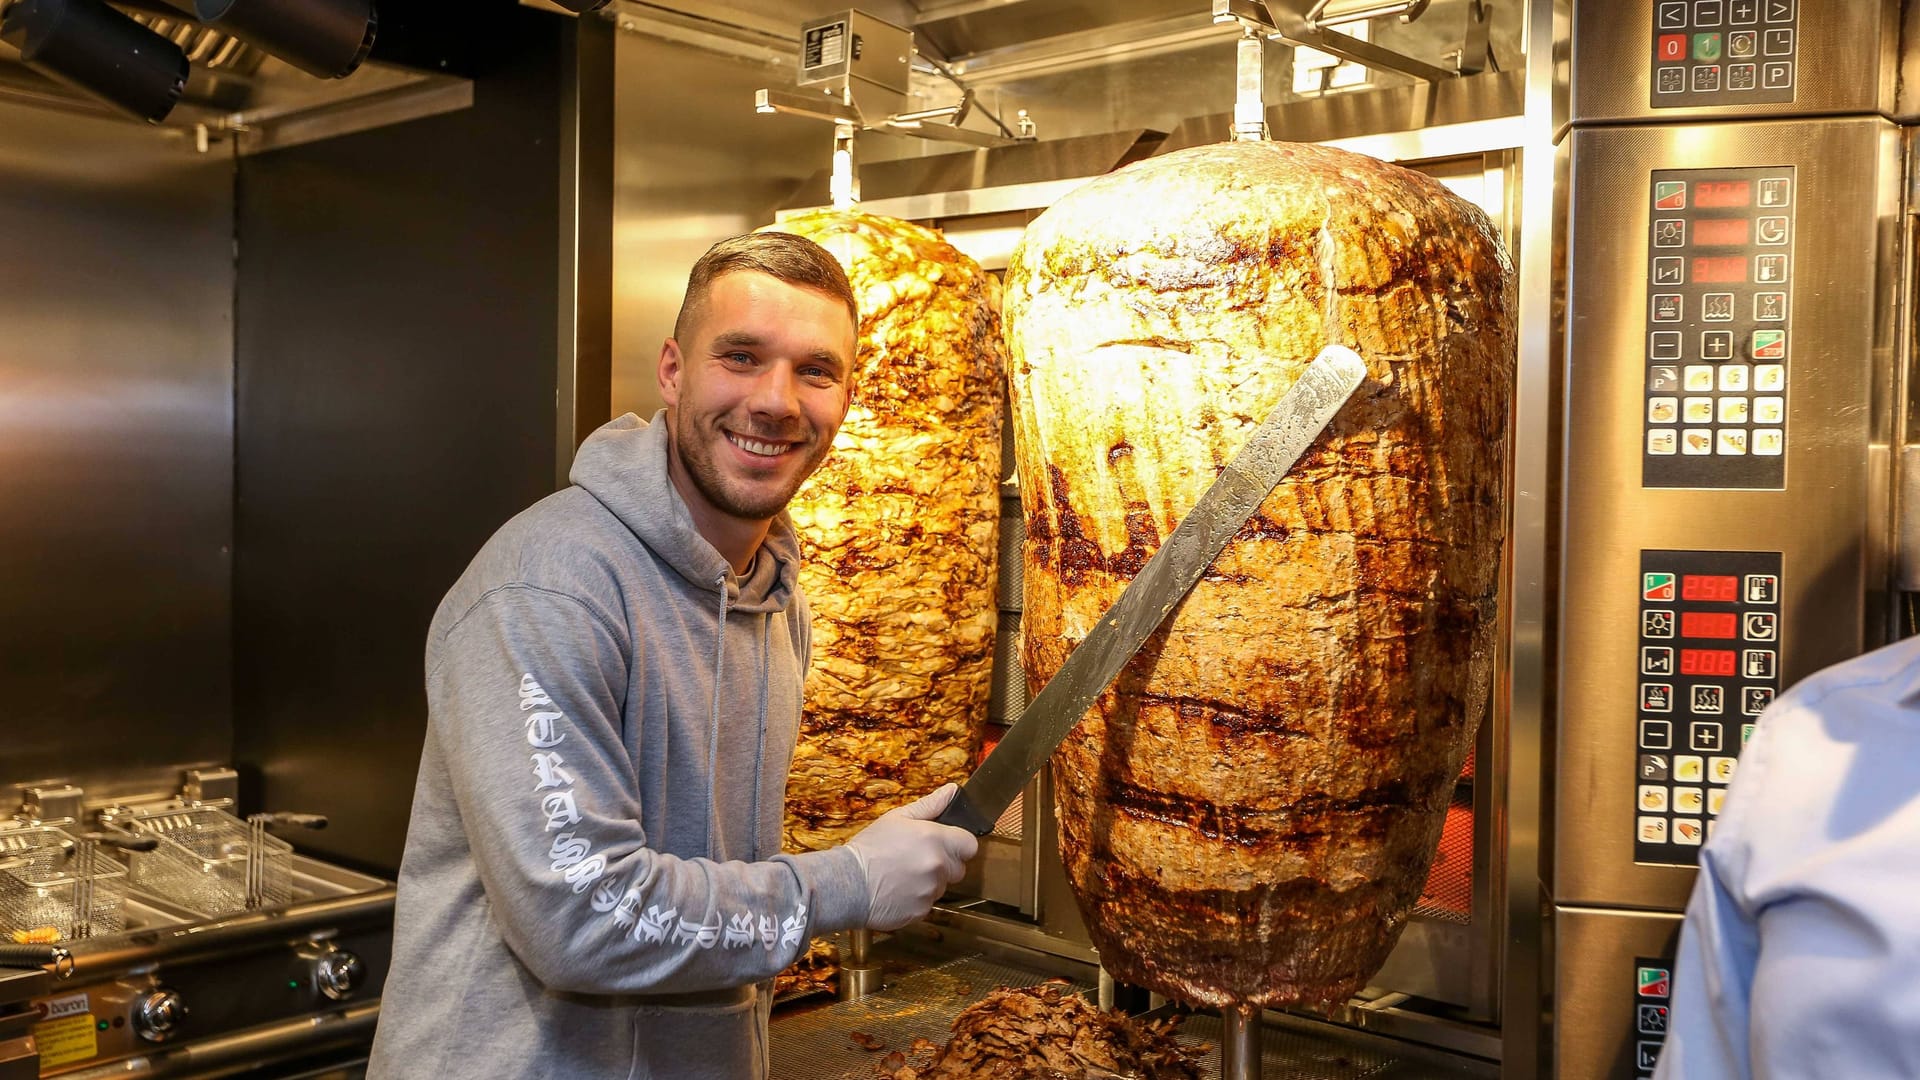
[1678, 59]
[1724, 52]
[1719, 305]
[1709, 665]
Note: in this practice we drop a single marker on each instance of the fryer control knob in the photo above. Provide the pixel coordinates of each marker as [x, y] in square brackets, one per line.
[338, 974]
[158, 1014]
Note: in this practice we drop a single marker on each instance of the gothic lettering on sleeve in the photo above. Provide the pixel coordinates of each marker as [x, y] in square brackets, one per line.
[740, 930]
[655, 923]
[549, 768]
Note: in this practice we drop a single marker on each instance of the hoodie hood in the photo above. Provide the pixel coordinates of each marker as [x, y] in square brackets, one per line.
[624, 466]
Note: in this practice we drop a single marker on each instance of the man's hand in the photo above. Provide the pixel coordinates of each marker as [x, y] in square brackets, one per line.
[909, 859]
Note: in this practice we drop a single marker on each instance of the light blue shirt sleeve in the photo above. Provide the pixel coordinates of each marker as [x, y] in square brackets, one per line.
[1799, 954]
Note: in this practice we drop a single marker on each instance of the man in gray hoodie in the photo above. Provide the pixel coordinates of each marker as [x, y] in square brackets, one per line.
[593, 884]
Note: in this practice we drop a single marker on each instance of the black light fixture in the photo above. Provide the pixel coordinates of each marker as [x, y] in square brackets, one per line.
[99, 51]
[324, 38]
[582, 7]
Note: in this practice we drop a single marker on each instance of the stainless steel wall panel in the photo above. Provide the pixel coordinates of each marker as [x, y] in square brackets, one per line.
[399, 307]
[690, 169]
[116, 385]
[1848, 176]
[1594, 988]
[1848, 62]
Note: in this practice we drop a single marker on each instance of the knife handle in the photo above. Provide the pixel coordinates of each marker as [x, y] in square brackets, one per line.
[962, 813]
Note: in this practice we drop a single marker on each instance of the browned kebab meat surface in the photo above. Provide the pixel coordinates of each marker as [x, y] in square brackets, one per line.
[1247, 816]
[900, 531]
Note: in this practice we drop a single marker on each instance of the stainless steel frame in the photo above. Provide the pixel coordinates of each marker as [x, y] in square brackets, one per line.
[1847, 64]
[1835, 590]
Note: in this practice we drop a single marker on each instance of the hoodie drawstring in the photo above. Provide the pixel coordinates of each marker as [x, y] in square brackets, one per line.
[713, 718]
[760, 746]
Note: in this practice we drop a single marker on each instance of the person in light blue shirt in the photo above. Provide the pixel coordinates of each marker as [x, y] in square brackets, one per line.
[1800, 955]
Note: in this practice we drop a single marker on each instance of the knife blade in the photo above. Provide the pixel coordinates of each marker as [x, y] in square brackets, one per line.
[1144, 604]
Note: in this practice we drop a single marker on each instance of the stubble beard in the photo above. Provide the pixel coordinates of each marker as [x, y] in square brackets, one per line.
[697, 454]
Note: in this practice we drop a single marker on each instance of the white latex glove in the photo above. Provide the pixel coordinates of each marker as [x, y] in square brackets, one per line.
[909, 859]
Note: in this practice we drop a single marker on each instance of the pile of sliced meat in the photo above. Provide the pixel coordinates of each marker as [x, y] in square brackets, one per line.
[1048, 1032]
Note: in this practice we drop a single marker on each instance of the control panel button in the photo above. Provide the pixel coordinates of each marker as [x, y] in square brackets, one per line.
[1716, 798]
[1689, 800]
[1771, 231]
[1742, 76]
[1762, 589]
[1761, 626]
[1755, 699]
[1698, 410]
[1688, 768]
[1706, 12]
[1777, 75]
[1653, 798]
[1716, 307]
[1706, 77]
[1776, 191]
[1720, 769]
[1697, 377]
[1653, 830]
[1656, 734]
[1655, 767]
[1671, 15]
[1689, 831]
[1770, 442]
[1759, 664]
[1696, 441]
[1703, 735]
[1742, 44]
[1779, 41]
[1769, 345]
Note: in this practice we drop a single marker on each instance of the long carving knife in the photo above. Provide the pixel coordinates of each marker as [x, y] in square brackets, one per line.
[1143, 605]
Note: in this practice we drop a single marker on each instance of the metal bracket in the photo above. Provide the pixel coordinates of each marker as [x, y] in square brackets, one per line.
[211, 785]
[1289, 21]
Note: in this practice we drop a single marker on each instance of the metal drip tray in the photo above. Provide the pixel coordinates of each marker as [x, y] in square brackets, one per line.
[818, 1044]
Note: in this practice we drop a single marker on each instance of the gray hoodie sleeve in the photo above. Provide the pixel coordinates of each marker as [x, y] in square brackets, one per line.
[525, 701]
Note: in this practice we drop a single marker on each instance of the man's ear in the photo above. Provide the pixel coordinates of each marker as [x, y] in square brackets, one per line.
[672, 366]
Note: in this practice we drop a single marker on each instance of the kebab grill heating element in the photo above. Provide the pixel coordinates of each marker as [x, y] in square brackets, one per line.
[178, 940]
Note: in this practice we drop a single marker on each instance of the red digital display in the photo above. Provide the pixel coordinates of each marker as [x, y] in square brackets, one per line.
[1716, 589]
[1720, 232]
[1721, 193]
[1720, 269]
[1706, 662]
[1708, 624]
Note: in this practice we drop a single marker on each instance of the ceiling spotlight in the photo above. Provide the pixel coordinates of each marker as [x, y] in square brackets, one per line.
[324, 38]
[99, 51]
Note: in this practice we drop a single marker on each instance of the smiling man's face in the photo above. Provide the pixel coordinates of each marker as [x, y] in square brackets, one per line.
[756, 389]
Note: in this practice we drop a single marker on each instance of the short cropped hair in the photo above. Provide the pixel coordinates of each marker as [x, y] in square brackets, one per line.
[793, 259]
